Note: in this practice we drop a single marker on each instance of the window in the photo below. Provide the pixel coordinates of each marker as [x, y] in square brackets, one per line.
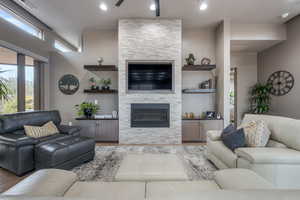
[21, 75]
[20, 23]
[61, 47]
[9, 75]
[29, 84]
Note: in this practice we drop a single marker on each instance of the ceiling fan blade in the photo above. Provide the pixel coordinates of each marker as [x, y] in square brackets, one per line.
[119, 2]
[157, 8]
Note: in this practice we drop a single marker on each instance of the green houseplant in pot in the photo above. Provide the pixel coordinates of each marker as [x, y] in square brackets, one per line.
[106, 84]
[260, 99]
[87, 109]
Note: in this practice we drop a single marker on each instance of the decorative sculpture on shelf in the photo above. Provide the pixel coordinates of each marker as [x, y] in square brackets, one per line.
[191, 59]
[205, 61]
[100, 61]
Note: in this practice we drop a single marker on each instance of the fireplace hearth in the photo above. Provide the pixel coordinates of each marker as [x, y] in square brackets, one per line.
[150, 115]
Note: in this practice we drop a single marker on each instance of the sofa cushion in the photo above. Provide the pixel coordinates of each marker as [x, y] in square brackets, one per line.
[257, 133]
[107, 190]
[49, 182]
[269, 155]
[234, 140]
[218, 149]
[183, 189]
[240, 179]
[275, 144]
[283, 129]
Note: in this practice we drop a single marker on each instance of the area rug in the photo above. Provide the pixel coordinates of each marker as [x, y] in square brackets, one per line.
[108, 159]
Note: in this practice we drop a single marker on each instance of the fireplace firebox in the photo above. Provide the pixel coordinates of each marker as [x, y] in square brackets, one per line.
[150, 115]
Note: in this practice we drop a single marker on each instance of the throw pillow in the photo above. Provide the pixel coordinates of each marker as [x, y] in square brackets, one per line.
[234, 139]
[257, 133]
[41, 131]
[51, 127]
[229, 129]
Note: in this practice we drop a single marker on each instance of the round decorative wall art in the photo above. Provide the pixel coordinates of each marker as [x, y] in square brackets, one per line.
[68, 84]
[282, 82]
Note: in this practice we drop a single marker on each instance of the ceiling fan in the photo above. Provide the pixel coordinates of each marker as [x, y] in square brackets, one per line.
[119, 3]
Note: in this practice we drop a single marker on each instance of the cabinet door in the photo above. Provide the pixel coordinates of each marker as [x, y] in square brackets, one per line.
[88, 128]
[190, 131]
[107, 131]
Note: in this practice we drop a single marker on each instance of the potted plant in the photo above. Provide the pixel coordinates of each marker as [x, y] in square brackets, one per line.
[106, 84]
[260, 99]
[87, 109]
[93, 83]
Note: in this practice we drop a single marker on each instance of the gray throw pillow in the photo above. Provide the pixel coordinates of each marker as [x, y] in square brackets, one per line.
[234, 139]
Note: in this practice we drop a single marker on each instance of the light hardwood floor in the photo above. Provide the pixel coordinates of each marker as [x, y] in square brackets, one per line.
[8, 179]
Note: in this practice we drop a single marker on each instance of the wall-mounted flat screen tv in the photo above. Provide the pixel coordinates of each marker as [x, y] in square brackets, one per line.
[150, 76]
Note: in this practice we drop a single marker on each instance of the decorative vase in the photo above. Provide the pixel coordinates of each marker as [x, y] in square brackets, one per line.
[88, 113]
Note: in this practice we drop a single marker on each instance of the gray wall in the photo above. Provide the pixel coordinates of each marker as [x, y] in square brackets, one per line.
[284, 56]
[246, 64]
[98, 43]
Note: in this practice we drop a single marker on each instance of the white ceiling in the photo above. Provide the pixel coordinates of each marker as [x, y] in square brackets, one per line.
[71, 17]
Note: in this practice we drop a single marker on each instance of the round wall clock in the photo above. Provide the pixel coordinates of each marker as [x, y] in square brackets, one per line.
[68, 84]
[282, 82]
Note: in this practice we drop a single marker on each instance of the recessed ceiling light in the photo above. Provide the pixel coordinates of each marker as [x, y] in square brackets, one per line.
[103, 6]
[285, 15]
[153, 7]
[203, 5]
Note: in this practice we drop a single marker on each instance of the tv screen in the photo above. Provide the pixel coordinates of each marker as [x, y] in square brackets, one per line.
[150, 76]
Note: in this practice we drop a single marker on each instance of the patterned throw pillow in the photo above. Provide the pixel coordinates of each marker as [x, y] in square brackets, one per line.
[257, 133]
[41, 131]
[51, 127]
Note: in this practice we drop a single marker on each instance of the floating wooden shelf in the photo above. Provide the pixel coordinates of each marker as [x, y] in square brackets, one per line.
[101, 91]
[200, 119]
[199, 91]
[103, 68]
[198, 67]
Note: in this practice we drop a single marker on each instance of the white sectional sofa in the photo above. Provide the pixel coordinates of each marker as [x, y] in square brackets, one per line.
[279, 162]
[238, 184]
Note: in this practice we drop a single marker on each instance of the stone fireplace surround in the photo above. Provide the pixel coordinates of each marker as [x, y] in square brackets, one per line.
[154, 41]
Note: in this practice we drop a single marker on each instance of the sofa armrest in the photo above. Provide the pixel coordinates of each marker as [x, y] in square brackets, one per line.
[214, 135]
[69, 130]
[16, 140]
[47, 182]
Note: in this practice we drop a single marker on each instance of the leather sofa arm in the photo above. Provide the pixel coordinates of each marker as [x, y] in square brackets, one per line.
[69, 130]
[17, 140]
[214, 135]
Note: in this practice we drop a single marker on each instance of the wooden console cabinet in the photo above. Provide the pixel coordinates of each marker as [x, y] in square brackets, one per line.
[194, 130]
[102, 130]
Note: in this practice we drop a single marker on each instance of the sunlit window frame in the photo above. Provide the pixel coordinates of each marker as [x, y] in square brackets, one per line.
[61, 47]
[40, 32]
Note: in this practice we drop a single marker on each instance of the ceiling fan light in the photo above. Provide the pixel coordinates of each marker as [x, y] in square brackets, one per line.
[103, 7]
[153, 7]
[203, 5]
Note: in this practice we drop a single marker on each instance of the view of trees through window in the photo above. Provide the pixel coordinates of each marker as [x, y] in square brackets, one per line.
[9, 75]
